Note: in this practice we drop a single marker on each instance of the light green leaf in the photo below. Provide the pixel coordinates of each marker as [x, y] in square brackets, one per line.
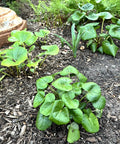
[76, 88]
[87, 7]
[34, 64]
[63, 83]
[50, 50]
[100, 103]
[39, 98]
[31, 40]
[70, 94]
[81, 78]
[43, 82]
[31, 48]
[70, 103]
[77, 16]
[90, 123]
[93, 91]
[73, 132]
[114, 31]
[59, 114]
[42, 33]
[92, 16]
[46, 107]
[105, 15]
[77, 115]
[42, 122]
[109, 48]
[14, 56]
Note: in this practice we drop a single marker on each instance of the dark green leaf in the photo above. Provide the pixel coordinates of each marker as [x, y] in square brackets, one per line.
[100, 103]
[93, 91]
[63, 83]
[42, 122]
[59, 114]
[93, 47]
[73, 132]
[100, 49]
[90, 123]
[115, 31]
[39, 98]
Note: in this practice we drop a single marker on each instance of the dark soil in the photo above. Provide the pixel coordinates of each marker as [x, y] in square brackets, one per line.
[17, 115]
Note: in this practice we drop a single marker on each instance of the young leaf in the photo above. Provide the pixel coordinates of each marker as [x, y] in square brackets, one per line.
[76, 88]
[14, 56]
[77, 115]
[100, 103]
[42, 33]
[63, 83]
[70, 103]
[93, 47]
[90, 123]
[43, 82]
[50, 50]
[93, 91]
[31, 48]
[100, 49]
[73, 34]
[87, 7]
[42, 122]
[59, 114]
[109, 48]
[39, 98]
[73, 132]
[33, 64]
[46, 107]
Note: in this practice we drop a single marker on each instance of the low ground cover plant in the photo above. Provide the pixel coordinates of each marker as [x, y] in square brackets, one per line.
[19, 55]
[66, 98]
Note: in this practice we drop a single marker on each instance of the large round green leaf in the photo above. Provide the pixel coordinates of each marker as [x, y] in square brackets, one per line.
[105, 15]
[14, 56]
[50, 50]
[59, 114]
[93, 91]
[63, 83]
[77, 115]
[109, 48]
[42, 122]
[70, 103]
[42, 83]
[100, 103]
[39, 98]
[73, 132]
[90, 123]
[114, 31]
[87, 7]
[46, 107]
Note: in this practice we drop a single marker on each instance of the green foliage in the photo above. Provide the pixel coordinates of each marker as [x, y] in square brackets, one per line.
[19, 55]
[75, 40]
[63, 101]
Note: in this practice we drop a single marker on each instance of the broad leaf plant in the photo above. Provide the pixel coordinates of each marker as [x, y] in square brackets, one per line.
[66, 98]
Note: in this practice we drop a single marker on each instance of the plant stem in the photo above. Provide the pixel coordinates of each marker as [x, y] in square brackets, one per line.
[102, 25]
[17, 70]
[53, 90]
[82, 98]
[43, 60]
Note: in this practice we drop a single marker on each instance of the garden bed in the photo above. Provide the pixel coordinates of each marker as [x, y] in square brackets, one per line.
[17, 115]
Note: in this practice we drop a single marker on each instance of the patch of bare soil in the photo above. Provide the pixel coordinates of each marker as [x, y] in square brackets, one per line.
[17, 116]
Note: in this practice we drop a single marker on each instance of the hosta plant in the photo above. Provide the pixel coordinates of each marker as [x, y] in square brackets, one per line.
[20, 53]
[66, 98]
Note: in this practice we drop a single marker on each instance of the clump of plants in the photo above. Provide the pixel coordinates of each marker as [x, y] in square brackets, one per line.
[19, 59]
[66, 98]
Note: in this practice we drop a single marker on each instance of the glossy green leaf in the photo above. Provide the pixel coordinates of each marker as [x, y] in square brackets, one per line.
[50, 50]
[114, 31]
[92, 16]
[59, 114]
[39, 98]
[87, 7]
[76, 88]
[100, 103]
[93, 47]
[42, 33]
[42, 122]
[43, 82]
[63, 83]
[105, 15]
[73, 132]
[46, 107]
[88, 32]
[93, 91]
[77, 115]
[70, 103]
[109, 48]
[90, 123]
[14, 56]
[77, 16]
